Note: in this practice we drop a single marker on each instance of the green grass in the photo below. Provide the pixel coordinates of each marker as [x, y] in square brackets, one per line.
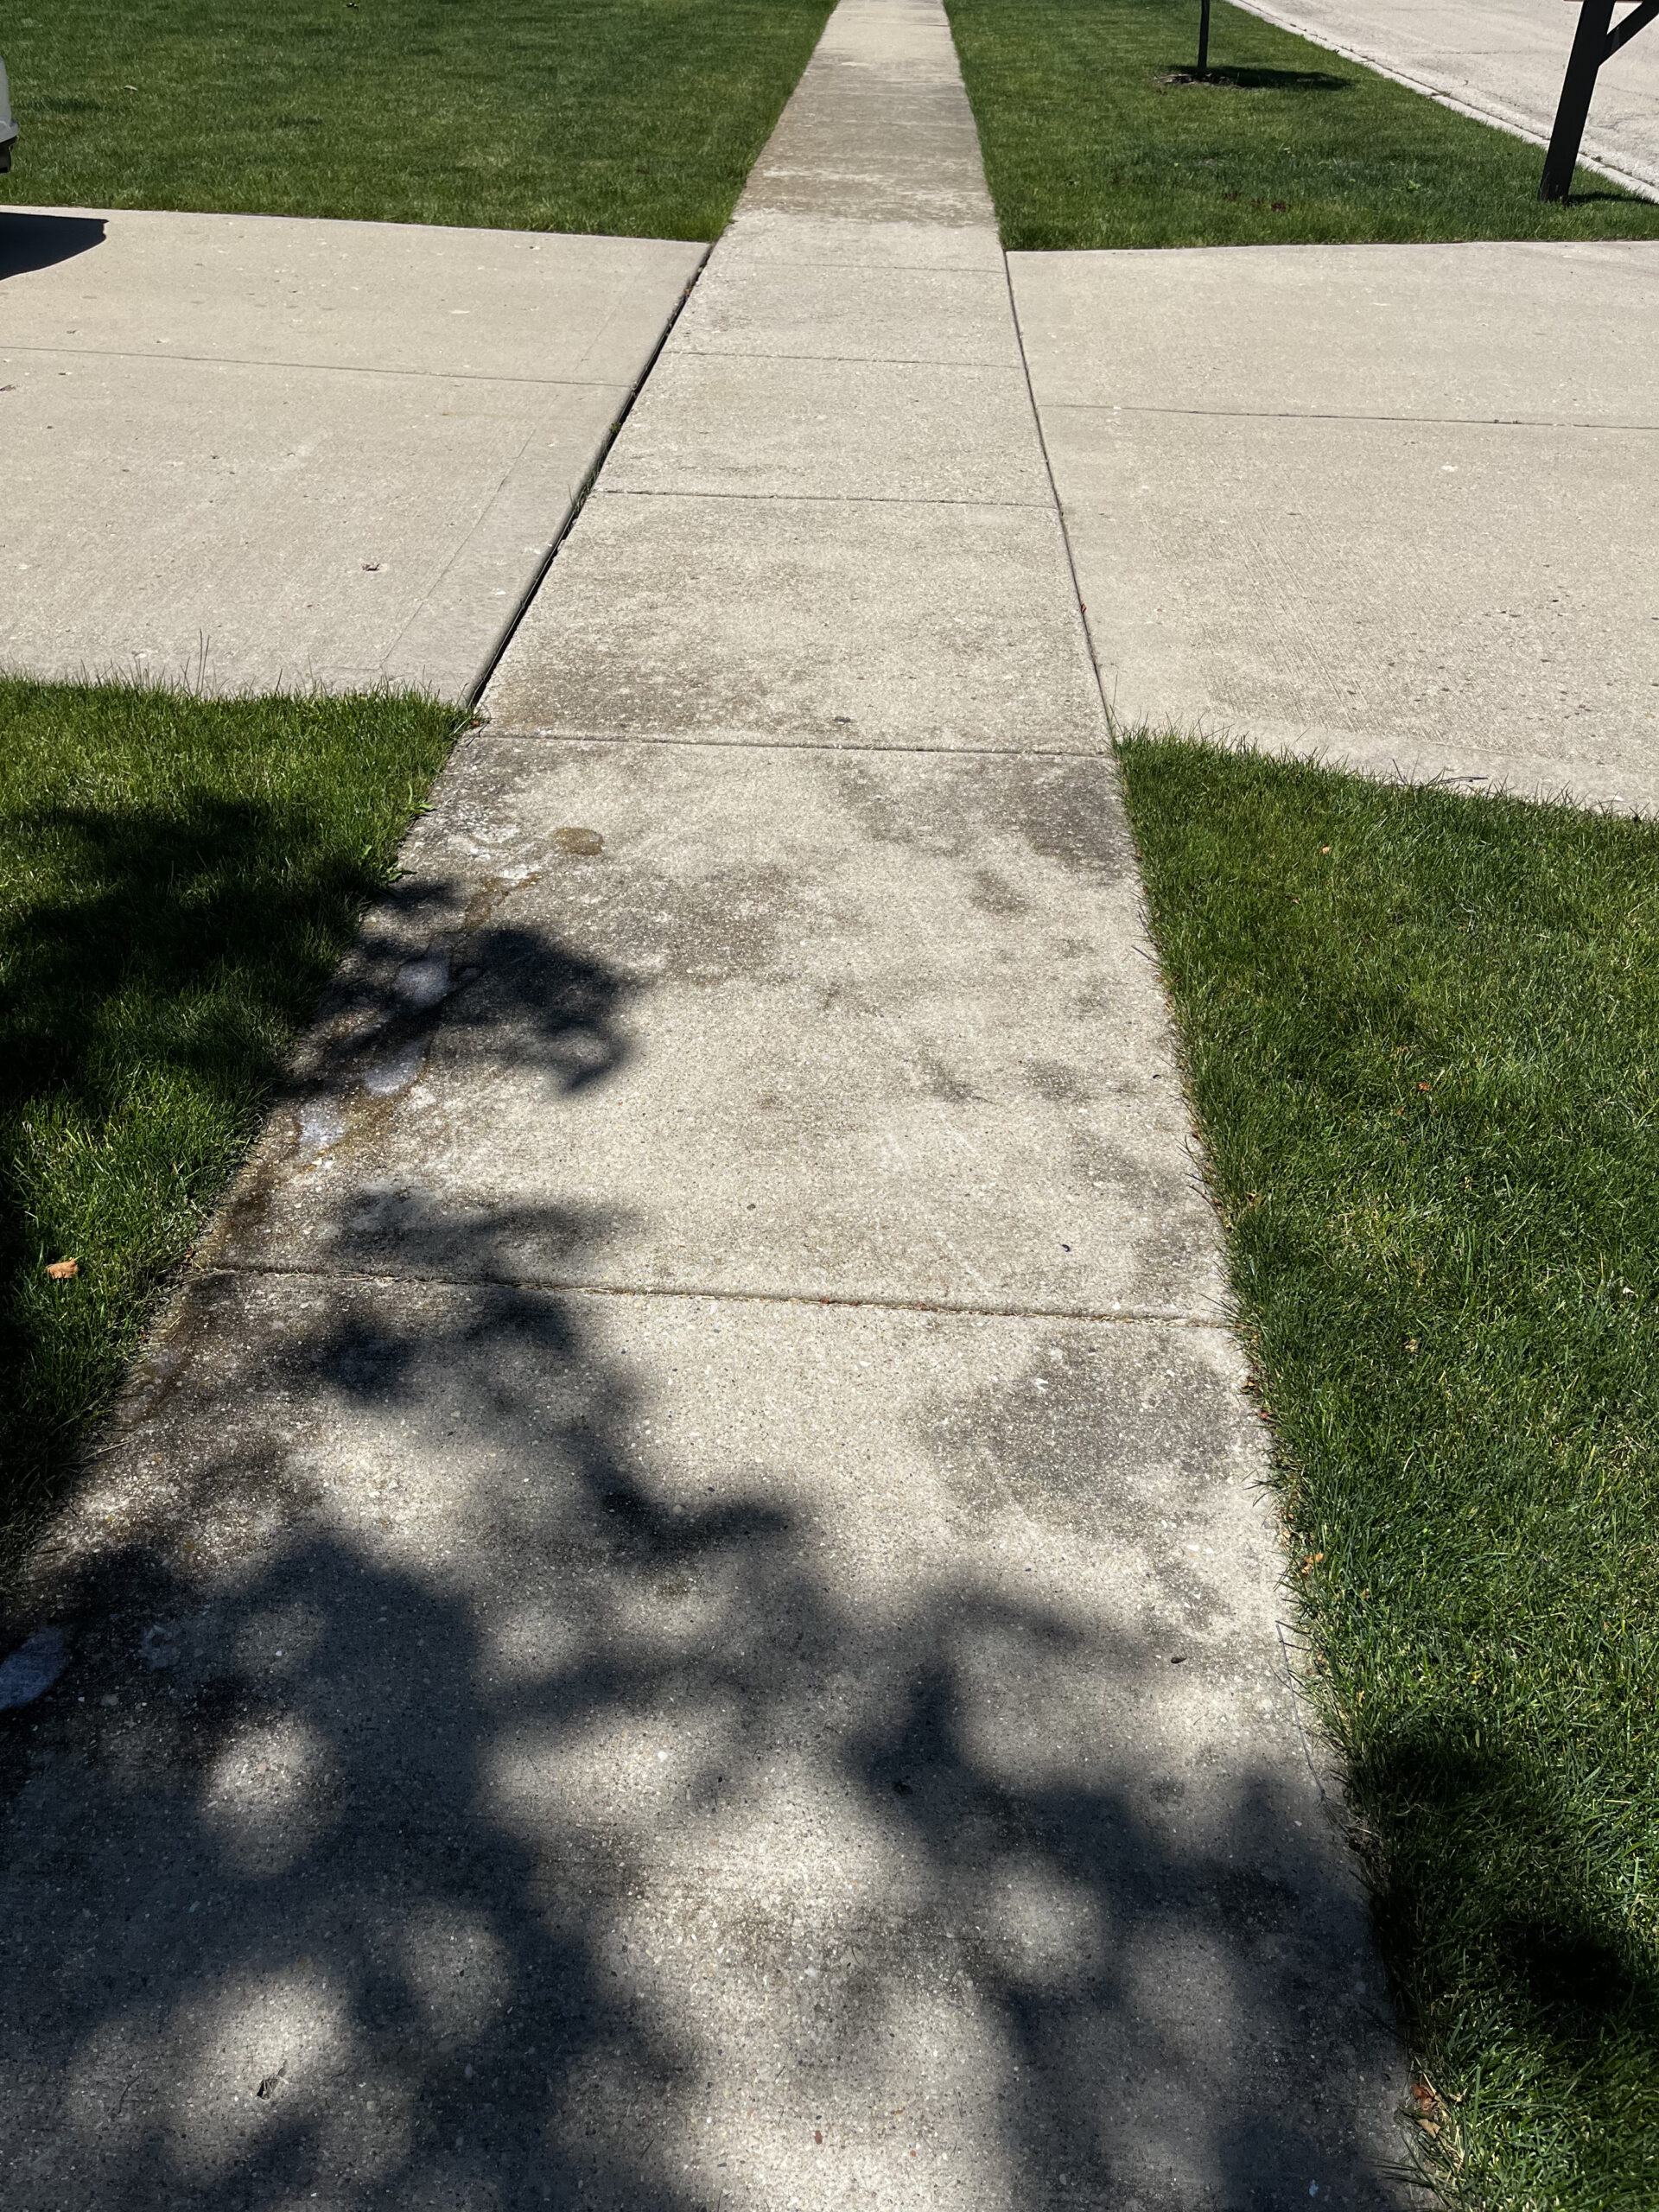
[635, 117]
[178, 877]
[1423, 1033]
[1088, 143]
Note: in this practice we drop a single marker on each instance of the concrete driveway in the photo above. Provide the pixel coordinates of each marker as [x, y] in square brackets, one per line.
[258, 453]
[1392, 504]
[1502, 59]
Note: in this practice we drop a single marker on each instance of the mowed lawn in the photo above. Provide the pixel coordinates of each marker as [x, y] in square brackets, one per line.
[638, 118]
[178, 877]
[1096, 134]
[1422, 1039]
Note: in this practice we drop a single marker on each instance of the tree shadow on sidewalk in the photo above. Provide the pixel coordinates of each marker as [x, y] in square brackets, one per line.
[496, 1771]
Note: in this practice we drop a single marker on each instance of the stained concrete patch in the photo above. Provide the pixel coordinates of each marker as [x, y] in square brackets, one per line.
[808, 628]
[664, 1747]
[1356, 501]
[833, 428]
[761, 232]
[261, 453]
[758, 308]
[871, 1026]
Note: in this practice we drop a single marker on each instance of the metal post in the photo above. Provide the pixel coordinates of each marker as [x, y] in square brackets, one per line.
[1589, 46]
[1204, 36]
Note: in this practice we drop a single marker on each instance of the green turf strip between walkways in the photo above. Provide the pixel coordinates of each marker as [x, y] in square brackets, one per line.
[637, 117]
[1092, 139]
[1422, 1037]
[178, 879]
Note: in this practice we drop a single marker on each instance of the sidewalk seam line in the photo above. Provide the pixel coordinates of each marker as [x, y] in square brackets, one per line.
[1106, 706]
[838, 360]
[793, 744]
[561, 1287]
[320, 368]
[826, 499]
[1332, 415]
[583, 492]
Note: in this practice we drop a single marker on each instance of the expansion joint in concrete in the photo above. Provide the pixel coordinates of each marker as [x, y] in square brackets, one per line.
[1058, 504]
[584, 490]
[1549, 423]
[521, 734]
[572, 1287]
[264, 361]
[818, 498]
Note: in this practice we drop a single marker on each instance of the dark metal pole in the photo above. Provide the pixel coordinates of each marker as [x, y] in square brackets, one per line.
[1204, 36]
[1589, 48]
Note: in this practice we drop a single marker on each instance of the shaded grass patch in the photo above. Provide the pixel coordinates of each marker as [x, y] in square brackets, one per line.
[1097, 133]
[1422, 1037]
[638, 118]
[178, 877]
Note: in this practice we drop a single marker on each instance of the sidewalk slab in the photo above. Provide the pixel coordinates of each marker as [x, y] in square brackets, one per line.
[1383, 504]
[1502, 60]
[763, 310]
[810, 1024]
[259, 452]
[840, 429]
[806, 628]
[1506, 331]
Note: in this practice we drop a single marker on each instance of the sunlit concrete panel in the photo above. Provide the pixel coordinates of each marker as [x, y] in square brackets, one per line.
[253, 453]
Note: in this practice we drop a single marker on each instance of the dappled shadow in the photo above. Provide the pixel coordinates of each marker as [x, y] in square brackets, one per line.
[30, 241]
[151, 991]
[531, 1748]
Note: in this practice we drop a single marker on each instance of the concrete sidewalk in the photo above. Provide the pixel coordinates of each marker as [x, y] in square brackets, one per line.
[257, 452]
[1502, 60]
[1387, 504]
[686, 1616]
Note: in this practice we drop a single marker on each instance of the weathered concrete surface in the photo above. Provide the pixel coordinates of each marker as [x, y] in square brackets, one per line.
[268, 452]
[1500, 60]
[654, 1751]
[806, 627]
[1384, 503]
[689, 1596]
[763, 309]
[823, 1024]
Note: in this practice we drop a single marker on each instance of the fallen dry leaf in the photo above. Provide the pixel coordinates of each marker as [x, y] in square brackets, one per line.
[61, 1270]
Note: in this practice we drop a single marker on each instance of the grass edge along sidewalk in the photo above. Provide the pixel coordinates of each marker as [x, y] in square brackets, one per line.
[1096, 135]
[179, 878]
[1421, 1033]
[627, 118]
